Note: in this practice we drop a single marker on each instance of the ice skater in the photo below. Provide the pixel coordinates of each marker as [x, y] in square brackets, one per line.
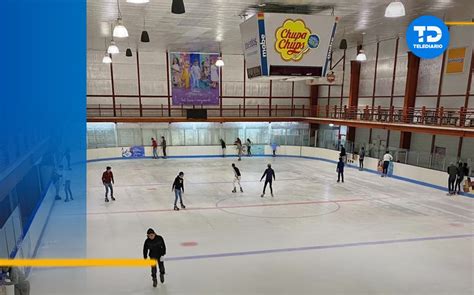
[343, 154]
[223, 146]
[249, 145]
[155, 248]
[154, 145]
[163, 146]
[269, 175]
[67, 186]
[452, 172]
[274, 146]
[108, 181]
[238, 143]
[459, 179]
[178, 189]
[340, 170]
[361, 158]
[56, 179]
[387, 158]
[237, 177]
[16, 278]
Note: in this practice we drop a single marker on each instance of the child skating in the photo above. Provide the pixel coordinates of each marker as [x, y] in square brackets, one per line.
[155, 248]
[237, 177]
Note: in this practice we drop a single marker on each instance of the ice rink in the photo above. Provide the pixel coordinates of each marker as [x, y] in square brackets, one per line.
[369, 235]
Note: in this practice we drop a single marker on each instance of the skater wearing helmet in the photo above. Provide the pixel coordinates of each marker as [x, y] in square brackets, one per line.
[178, 189]
[269, 175]
[155, 248]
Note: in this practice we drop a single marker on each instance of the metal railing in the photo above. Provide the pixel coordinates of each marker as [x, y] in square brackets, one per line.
[462, 117]
[126, 110]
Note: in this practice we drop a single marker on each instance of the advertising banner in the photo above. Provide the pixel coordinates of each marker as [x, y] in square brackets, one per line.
[287, 44]
[194, 78]
[456, 58]
[133, 152]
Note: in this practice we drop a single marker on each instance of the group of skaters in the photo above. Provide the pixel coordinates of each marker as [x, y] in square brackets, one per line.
[385, 163]
[456, 176]
[241, 147]
[154, 145]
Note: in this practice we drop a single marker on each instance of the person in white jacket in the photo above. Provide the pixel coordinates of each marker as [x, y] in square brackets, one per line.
[387, 158]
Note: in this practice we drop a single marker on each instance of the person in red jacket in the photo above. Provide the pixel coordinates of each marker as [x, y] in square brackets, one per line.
[154, 144]
[108, 180]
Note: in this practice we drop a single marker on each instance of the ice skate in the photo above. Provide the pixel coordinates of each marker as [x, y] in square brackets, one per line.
[234, 190]
[106, 200]
[182, 206]
[162, 278]
[155, 282]
[113, 199]
[241, 190]
[176, 208]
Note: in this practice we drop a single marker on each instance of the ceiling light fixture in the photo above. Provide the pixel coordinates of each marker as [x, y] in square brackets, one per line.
[361, 56]
[106, 59]
[343, 44]
[138, 1]
[177, 7]
[219, 62]
[144, 37]
[113, 49]
[120, 31]
[395, 9]
[128, 52]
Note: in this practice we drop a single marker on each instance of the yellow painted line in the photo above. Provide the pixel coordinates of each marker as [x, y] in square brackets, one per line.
[122, 262]
[459, 23]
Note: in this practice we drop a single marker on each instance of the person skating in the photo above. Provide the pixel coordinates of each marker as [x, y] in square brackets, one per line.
[56, 179]
[154, 145]
[361, 158]
[223, 146]
[237, 177]
[155, 248]
[238, 144]
[387, 158]
[459, 179]
[274, 146]
[340, 170]
[452, 175]
[269, 175]
[178, 189]
[343, 154]
[163, 146]
[108, 181]
[249, 146]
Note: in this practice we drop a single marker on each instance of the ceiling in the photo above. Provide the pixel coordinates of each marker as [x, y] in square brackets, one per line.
[213, 25]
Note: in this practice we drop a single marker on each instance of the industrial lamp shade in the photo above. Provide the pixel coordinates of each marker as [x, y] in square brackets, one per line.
[145, 38]
[177, 7]
[106, 59]
[361, 56]
[128, 52]
[343, 44]
[138, 1]
[120, 31]
[395, 9]
[113, 49]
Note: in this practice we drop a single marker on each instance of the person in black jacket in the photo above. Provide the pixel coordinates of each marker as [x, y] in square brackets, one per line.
[155, 248]
[340, 170]
[269, 175]
[178, 189]
[223, 146]
[237, 177]
[459, 179]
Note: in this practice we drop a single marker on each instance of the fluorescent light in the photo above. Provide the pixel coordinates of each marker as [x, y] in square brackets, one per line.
[113, 49]
[395, 9]
[219, 62]
[138, 1]
[361, 56]
[120, 31]
[106, 59]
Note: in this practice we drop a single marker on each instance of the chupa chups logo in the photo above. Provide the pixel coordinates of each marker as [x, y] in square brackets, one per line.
[294, 39]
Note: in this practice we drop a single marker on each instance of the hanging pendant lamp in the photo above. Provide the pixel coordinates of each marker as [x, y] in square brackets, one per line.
[177, 7]
[144, 37]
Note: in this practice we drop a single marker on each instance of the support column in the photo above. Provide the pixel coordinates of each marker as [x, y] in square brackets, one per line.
[353, 94]
[113, 86]
[466, 101]
[313, 108]
[410, 96]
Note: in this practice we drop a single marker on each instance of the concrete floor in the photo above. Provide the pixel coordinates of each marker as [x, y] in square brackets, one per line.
[370, 235]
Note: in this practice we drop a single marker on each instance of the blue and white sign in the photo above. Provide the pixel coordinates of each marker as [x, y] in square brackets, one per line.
[427, 37]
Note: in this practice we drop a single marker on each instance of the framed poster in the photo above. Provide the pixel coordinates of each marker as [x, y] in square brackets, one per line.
[194, 78]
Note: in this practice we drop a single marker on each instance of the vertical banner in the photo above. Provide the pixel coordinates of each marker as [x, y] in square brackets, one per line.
[194, 78]
[456, 58]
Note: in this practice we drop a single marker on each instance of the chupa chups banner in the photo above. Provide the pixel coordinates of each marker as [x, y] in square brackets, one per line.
[194, 78]
[287, 44]
[133, 152]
